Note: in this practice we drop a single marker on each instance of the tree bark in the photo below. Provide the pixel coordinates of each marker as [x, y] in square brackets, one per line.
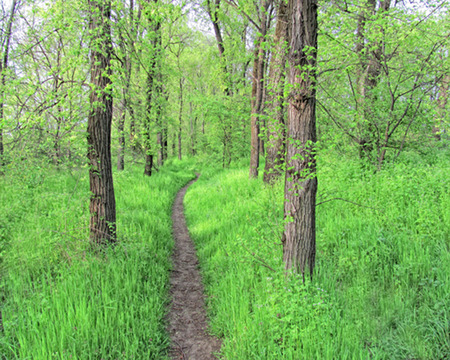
[299, 238]
[150, 92]
[180, 117]
[121, 130]
[257, 91]
[276, 127]
[102, 204]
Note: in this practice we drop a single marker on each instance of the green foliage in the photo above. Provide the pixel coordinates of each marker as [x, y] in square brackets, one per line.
[381, 287]
[60, 300]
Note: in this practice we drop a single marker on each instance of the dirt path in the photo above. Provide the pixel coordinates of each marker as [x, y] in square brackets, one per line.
[187, 315]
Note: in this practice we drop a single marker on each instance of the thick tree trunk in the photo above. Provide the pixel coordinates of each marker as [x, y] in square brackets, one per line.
[299, 238]
[102, 205]
[276, 127]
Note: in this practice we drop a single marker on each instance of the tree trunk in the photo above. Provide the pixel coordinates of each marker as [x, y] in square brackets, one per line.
[299, 238]
[180, 117]
[102, 204]
[257, 94]
[121, 124]
[276, 127]
[150, 90]
[213, 14]
[3, 69]
[165, 142]
[174, 140]
[121, 129]
[159, 122]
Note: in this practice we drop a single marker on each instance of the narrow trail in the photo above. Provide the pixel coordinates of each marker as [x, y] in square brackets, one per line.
[187, 316]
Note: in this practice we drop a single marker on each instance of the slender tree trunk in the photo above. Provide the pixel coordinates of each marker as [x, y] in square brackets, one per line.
[121, 129]
[3, 69]
[213, 14]
[254, 127]
[121, 124]
[102, 204]
[159, 122]
[180, 117]
[257, 95]
[276, 127]
[147, 125]
[150, 92]
[299, 238]
[174, 146]
[164, 141]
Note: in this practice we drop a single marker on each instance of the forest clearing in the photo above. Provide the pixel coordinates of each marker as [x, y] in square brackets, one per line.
[224, 179]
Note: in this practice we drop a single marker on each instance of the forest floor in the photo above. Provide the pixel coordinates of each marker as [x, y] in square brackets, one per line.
[187, 316]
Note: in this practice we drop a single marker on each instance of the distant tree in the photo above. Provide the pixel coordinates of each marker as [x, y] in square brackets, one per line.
[299, 238]
[102, 204]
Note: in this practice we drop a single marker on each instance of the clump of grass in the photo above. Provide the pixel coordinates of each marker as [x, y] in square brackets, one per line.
[381, 286]
[62, 301]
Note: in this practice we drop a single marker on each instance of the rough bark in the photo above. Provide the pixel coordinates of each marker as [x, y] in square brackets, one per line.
[102, 204]
[299, 238]
[276, 127]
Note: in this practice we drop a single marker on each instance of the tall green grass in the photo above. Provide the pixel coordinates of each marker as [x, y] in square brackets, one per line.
[62, 301]
[381, 288]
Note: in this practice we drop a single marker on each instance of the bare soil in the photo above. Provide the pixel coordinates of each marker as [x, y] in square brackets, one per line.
[187, 316]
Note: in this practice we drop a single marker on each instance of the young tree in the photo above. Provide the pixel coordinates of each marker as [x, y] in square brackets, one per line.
[299, 238]
[102, 204]
[264, 9]
[151, 89]
[5, 43]
[276, 127]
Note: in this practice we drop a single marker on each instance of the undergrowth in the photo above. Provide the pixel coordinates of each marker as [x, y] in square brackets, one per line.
[381, 289]
[62, 301]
